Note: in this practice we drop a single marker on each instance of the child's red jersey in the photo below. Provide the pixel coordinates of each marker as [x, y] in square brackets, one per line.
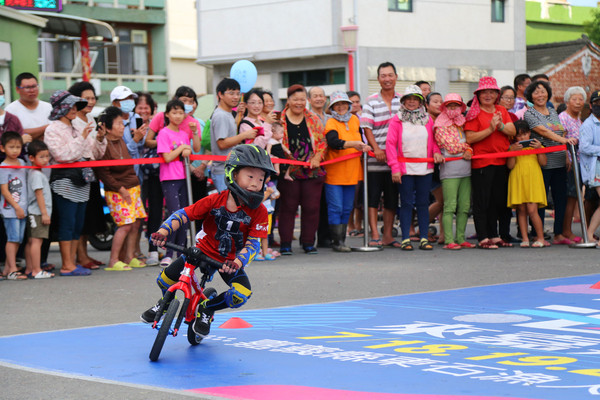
[224, 233]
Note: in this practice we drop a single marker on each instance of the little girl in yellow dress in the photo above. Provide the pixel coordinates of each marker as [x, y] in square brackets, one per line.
[526, 191]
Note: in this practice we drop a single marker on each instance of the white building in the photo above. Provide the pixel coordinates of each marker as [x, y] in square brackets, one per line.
[450, 43]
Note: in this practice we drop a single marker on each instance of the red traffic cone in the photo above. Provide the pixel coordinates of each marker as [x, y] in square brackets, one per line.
[235, 323]
[595, 285]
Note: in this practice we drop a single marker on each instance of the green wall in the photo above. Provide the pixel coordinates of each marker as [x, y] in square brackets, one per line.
[564, 23]
[24, 47]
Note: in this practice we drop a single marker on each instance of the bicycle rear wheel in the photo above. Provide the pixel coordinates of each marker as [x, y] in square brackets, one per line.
[165, 327]
[192, 337]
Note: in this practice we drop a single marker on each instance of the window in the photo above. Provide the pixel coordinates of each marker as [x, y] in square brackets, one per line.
[400, 5]
[316, 77]
[133, 52]
[497, 10]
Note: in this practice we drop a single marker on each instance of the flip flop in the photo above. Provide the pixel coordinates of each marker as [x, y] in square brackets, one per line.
[119, 266]
[78, 271]
[375, 243]
[42, 275]
[487, 244]
[396, 244]
[91, 265]
[135, 263]
[562, 241]
[16, 276]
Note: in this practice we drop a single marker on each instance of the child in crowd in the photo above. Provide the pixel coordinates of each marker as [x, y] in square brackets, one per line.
[455, 175]
[173, 143]
[234, 222]
[271, 195]
[13, 187]
[277, 149]
[39, 209]
[526, 189]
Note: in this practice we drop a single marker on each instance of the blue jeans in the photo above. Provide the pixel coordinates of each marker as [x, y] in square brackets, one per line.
[340, 201]
[15, 229]
[414, 192]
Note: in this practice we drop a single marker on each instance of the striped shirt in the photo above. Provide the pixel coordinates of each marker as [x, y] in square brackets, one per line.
[534, 118]
[376, 116]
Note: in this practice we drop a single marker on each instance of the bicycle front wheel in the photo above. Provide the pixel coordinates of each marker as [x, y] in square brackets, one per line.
[165, 327]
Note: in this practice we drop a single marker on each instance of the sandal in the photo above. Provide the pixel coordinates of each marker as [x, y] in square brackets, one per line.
[406, 245]
[452, 246]
[375, 243]
[42, 275]
[16, 276]
[537, 244]
[487, 244]
[119, 266]
[425, 245]
[393, 243]
[525, 245]
[467, 245]
[502, 243]
[353, 233]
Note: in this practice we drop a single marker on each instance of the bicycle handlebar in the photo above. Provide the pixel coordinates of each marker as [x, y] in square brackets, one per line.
[194, 254]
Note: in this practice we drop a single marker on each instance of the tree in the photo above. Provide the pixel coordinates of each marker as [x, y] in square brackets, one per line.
[592, 28]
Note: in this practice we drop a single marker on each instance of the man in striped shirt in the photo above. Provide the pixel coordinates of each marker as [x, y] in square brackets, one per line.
[375, 118]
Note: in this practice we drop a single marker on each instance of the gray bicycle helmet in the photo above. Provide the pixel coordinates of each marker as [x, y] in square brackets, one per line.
[247, 155]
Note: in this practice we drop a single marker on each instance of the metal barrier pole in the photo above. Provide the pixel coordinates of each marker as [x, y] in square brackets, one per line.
[366, 247]
[575, 169]
[188, 181]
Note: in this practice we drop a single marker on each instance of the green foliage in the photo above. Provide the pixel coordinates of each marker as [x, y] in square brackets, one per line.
[592, 28]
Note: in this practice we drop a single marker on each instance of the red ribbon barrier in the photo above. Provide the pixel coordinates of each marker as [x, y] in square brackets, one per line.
[196, 157]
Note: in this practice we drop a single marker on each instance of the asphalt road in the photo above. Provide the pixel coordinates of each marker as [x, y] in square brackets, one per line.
[119, 297]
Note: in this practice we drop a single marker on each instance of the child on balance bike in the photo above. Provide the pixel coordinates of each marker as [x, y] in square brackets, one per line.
[234, 222]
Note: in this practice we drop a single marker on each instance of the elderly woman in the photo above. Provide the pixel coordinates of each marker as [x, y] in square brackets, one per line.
[546, 127]
[70, 186]
[410, 134]
[589, 154]
[123, 194]
[570, 119]
[488, 129]
[304, 137]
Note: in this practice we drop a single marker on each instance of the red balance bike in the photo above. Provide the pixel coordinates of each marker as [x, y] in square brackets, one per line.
[194, 293]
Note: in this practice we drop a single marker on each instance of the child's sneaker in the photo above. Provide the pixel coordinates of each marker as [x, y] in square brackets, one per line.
[204, 318]
[149, 315]
[152, 259]
[165, 262]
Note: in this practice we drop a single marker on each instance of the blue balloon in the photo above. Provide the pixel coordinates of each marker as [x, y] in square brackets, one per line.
[245, 73]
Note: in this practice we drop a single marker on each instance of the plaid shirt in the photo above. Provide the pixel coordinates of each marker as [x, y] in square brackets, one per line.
[376, 116]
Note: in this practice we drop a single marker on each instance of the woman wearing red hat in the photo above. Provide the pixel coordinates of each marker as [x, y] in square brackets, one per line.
[488, 129]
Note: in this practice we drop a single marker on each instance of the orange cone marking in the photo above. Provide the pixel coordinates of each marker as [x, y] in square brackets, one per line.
[235, 323]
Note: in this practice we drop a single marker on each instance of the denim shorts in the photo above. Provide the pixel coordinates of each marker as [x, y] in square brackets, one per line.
[15, 229]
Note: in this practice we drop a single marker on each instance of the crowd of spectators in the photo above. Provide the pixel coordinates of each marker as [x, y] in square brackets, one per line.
[454, 144]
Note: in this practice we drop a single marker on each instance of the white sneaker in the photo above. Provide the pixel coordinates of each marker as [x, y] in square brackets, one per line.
[152, 258]
[165, 262]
